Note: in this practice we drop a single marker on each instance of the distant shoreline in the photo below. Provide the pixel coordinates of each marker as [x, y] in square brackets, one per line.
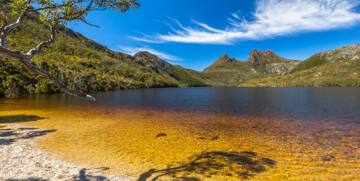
[56, 93]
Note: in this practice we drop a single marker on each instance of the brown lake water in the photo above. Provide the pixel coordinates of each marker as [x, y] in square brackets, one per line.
[203, 133]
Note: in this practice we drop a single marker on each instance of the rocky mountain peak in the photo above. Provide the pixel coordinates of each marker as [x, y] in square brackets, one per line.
[221, 61]
[225, 59]
[143, 54]
[257, 56]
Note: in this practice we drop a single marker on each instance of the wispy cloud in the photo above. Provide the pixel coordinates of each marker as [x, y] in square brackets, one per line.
[271, 18]
[162, 55]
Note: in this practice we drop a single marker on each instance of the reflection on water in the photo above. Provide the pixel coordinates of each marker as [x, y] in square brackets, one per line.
[202, 133]
[283, 103]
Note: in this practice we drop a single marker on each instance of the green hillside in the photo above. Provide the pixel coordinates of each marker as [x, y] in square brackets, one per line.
[85, 65]
[227, 71]
[82, 64]
[340, 67]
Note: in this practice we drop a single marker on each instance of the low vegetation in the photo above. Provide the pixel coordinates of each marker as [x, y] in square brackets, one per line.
[84, 65]
[81, 64]
[340, 67]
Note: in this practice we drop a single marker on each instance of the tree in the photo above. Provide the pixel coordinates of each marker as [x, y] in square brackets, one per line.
[53, 13]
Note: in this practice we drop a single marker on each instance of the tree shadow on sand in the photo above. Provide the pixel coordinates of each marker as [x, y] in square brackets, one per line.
[241, 165]
[9, 136]
[18, 118]
[86, 177]
[28, 179]
[83, 176]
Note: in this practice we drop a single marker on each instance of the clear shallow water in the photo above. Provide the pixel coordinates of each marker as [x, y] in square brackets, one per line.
[211, 133]
[336, 104]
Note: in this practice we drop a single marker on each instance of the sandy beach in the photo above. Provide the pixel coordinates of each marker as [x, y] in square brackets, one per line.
[22, 159]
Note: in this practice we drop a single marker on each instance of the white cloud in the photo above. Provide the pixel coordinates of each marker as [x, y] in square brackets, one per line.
[271, 18]
[134, 50]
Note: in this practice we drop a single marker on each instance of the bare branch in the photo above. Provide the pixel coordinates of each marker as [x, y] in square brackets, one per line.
[2, 35]
[68, 4]
[23, 59]
[55, 81]
[7, 28]
[17, 23]
[6, 53]
[38, 48]
[3, 16]
[83, 20]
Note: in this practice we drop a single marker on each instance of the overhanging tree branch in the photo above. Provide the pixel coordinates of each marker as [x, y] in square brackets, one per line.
[23, 59]
[2, 35]
[38, 48]
[3, 17]
[54, 13]
[8, 28]
[18, 21]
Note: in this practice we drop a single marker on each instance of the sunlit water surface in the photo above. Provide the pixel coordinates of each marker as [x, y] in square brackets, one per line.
[203, 133]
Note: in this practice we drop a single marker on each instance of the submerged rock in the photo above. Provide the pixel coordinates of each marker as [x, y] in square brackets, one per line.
[161, 135]
[327, 158]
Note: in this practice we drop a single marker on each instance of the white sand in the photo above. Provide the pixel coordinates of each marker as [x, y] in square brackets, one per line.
[21, 159]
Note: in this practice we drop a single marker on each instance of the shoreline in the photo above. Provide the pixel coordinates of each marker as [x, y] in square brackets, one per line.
[23, 159]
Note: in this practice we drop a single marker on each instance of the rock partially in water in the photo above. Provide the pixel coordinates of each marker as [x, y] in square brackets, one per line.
[327, 158]
[210, 138]
[161, 135]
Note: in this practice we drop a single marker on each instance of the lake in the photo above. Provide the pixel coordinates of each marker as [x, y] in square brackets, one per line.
[203, 133]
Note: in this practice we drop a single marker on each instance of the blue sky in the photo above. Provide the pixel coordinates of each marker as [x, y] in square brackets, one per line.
[194, 33]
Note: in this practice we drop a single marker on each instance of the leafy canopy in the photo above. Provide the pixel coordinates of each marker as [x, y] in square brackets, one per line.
[63, 11]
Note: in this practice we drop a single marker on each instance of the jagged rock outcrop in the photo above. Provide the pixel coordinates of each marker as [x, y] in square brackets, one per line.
[345, 52]
[224, 59]
[280, 67]
[153, 62]
[270, 61]
[273, 63]
[355, 58]
[266, 56]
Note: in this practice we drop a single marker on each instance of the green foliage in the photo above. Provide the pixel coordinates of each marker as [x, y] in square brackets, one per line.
[61, 12]
[232, 74]
[345, 73]
[312, 62]
[187, 79]
[80, 64]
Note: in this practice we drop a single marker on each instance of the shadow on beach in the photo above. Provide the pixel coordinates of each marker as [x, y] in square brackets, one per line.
[18, 118]
[29, 179]
[9, 136]
[241, 165]
[83, 176]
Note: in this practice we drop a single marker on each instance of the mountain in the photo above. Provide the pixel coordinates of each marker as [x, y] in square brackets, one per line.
[339, 67]
[271, 62]
[226, 71]
[83, 64]
[224, 59]
[263, 57]
[329, 57]
[184, 77]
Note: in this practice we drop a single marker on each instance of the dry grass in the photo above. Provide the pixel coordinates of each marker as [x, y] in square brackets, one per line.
[198, 146]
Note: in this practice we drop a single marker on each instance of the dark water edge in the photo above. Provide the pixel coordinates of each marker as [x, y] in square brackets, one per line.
[301, 103]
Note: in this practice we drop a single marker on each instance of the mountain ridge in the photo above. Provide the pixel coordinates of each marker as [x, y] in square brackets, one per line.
[85, 65]
[339, 67]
